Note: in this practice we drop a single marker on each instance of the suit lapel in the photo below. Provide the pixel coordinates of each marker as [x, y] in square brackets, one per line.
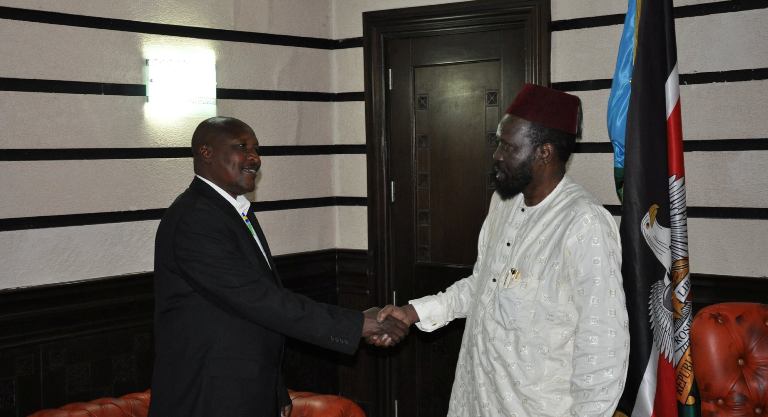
[263, 240]
[229, 214]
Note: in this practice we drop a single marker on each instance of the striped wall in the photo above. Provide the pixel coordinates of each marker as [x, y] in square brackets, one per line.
[84, 175]
[723, 64]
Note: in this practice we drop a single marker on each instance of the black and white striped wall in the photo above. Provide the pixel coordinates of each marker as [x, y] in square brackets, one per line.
[84, 176]
[723, 63]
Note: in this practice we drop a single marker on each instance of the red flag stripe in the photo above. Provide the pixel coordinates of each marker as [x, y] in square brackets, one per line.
[674, 124]
[675, 143]
[665, 403]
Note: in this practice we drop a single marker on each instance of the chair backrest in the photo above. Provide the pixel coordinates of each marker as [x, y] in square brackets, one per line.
[305, 404]
[729, 348]
[130, 405]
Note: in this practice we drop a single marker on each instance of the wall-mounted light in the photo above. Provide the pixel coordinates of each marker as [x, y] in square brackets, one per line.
[180, 83]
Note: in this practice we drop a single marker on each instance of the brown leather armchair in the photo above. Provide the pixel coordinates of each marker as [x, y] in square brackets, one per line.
[305, 404]
[729, 348]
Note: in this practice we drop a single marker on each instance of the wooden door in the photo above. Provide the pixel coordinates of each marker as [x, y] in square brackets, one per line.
[444, 93]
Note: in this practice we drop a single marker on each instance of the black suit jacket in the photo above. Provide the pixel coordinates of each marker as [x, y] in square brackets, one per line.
[221, 315]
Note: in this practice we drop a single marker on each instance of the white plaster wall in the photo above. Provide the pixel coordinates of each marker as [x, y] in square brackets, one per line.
[300, 230]
[709, 111]
[289, 17]
[714, 179]
[93, 186]
[569, 9]
[717, 42]
[55, 255]
[45, 121]
[350, 221]
[348, 72]
[45, 51]
[90, 186]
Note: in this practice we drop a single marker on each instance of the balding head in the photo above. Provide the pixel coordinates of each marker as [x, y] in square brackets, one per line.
[214, 129]
[225, 152]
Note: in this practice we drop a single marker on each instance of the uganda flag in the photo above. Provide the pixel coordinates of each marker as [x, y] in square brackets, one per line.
[654, 236]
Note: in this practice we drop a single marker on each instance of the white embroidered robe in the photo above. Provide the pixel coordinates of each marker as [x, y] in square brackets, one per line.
[546, 332]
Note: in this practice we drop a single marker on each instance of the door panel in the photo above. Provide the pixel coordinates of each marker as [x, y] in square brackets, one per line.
[448, 94]
[456, 112]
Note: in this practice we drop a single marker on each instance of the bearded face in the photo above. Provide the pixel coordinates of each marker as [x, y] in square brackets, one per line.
[513, 158]
[512, 178]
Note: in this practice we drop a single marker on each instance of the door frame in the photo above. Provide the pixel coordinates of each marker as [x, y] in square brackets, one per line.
[380, 26]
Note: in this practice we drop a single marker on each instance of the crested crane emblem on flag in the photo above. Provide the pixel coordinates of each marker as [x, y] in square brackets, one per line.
[669, 304]
[660, 306]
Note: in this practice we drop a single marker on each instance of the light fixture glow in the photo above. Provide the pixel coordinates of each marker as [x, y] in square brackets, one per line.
[180, 83]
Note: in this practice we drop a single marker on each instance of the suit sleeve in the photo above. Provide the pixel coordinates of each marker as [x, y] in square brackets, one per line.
[212, 262]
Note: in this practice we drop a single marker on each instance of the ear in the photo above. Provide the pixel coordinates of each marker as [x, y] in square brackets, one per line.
[545, 152]
[205, 152]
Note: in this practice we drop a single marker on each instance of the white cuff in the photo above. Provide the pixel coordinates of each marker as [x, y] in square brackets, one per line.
[431, 313]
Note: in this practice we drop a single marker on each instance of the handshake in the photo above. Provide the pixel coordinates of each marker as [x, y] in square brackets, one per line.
[388, 326]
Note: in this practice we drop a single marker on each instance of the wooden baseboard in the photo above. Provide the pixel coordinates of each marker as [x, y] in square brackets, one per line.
[88, 339]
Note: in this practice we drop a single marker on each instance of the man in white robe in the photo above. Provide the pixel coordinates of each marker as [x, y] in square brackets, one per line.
[546, 331]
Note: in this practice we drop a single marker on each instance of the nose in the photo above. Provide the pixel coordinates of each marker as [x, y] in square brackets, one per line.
[253, 154]
[497, 154]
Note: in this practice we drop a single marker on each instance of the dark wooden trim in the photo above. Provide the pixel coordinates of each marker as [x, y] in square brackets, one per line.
[123, 25]
[84, 219]
[740, 75]
[704, 212]
[689, 145]
[711, 289]
[46, 312]
[245, 94]
[79, 154]
[138, 90]
[71, 87]
[43, 313]
[66, 154]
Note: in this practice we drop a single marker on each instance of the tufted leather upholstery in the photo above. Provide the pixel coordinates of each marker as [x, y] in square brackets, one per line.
[729, 347]
[305, 404]
[131, 405]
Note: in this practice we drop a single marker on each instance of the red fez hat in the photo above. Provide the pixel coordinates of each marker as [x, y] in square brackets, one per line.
[547, 107]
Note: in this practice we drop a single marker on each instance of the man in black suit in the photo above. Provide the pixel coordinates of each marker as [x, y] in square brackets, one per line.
[221, 312]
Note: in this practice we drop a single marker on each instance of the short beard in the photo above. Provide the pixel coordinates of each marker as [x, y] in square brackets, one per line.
[511, 187]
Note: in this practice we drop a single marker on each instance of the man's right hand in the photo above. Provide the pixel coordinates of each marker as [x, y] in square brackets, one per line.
[386, 332]
[407, 314]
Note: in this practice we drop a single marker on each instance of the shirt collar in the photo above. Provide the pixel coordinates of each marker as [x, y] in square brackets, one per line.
[241, 204]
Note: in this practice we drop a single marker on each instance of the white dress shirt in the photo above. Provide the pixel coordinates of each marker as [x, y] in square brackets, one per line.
[241, 205]
[546, 331]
